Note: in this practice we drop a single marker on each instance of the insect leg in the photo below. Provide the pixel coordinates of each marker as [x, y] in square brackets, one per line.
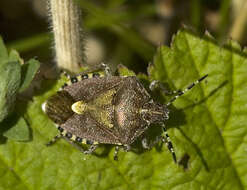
[91, 149]
[126, 147]
[96, 71]
[116, 153]
[145, 143]
[54, 140]
[67, 75]
[180, 93]
[73, 143]
[166, 139]
[157, 84]
[70, 79]
[106, 69]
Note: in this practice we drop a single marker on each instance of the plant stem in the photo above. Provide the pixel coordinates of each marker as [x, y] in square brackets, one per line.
[239, 24]
[69, 46]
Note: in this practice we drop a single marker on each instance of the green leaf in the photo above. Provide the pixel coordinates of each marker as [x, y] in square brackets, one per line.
[10, 76]
[19, 131]
[15, 57]
[10, 79]
[9, 84]
[124, 71]
[3, 50]
[29, 70]
[207, 127]
[213, 129]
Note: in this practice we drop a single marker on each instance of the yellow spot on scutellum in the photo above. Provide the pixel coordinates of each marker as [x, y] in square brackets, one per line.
[97, 108]
[79, 107]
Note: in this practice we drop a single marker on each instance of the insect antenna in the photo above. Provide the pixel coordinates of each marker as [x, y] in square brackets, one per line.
[180, 93]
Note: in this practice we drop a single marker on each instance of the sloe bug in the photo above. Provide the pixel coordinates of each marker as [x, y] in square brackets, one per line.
[96, 107]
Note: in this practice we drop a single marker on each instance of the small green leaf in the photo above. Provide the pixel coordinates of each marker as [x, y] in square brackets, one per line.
[15, 57]
[28, 71]
[124, 71]
[9, 84]
[10, 76]
[10, 79]
[19, 131]
[3, 51]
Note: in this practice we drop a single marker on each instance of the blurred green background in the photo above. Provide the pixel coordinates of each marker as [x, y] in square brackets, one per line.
[121, 31]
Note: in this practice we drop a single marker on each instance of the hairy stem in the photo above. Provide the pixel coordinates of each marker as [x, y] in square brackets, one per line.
[69, 46]
[239, 24]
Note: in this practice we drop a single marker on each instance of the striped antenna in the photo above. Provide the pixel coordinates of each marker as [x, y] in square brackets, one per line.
[180, 93]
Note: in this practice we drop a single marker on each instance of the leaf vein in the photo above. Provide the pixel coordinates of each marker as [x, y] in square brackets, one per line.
[210, 115]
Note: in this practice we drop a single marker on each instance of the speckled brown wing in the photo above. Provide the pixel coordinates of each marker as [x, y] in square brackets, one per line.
[127, 124]
[85, 126]
[90, 88]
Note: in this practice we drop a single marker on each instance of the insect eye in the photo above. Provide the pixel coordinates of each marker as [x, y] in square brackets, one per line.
[73, 80]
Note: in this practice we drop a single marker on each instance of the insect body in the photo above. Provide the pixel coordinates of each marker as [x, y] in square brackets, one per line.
[93, 108]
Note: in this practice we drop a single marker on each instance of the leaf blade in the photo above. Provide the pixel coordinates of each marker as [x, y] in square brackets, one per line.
[29, 70]
[19, 131]
[198, 126]
[3, 50]
[9, 85]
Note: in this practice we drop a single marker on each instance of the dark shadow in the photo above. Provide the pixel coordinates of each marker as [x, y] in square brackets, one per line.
[2, 138]
[193, 144]
[45, 86]
[197, 149]
[184, 161]
[103, 150]
[151, 135]
[10, 122]
[21, 109]
[176, 118]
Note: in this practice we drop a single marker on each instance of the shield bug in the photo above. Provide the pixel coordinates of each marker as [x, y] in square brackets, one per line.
[98, 108]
